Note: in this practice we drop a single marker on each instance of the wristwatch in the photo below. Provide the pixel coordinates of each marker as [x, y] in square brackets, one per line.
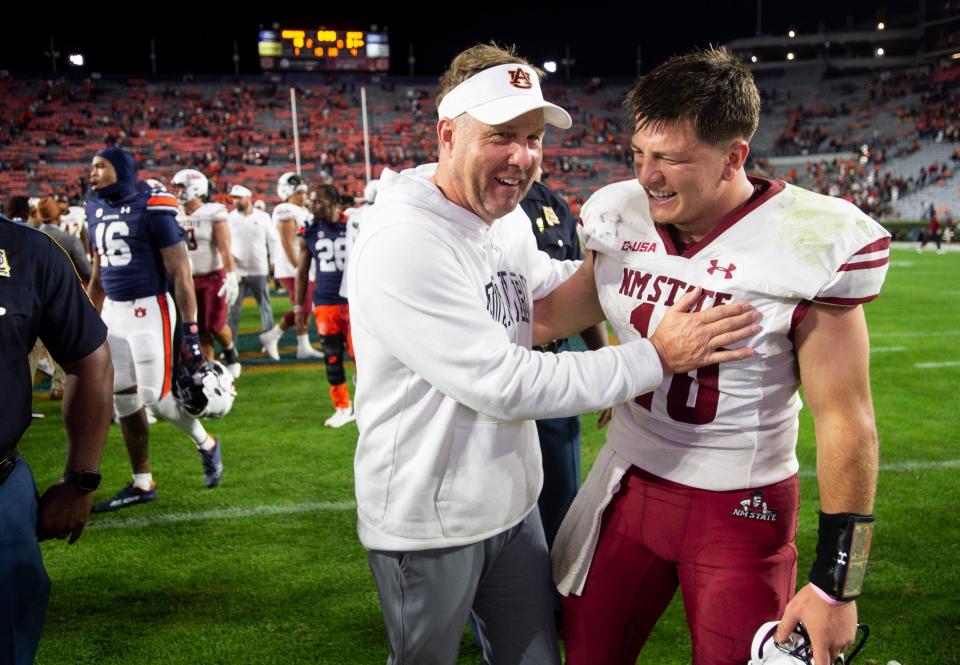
[84, 479]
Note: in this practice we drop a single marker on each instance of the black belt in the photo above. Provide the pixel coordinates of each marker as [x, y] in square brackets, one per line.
[7, 464]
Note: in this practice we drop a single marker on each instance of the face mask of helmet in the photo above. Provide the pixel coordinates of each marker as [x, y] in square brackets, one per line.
[797, 649]
[206, 393]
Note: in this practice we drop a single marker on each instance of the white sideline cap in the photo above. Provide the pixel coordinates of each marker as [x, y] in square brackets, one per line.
[499, 94]
[240, 190]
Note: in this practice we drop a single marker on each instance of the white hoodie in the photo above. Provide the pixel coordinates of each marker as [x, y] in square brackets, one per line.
[441, 306]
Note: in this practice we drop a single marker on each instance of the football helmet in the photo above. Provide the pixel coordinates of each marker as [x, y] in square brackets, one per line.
[289, 184]
[797, 649]
[207, 392]
[193, 182]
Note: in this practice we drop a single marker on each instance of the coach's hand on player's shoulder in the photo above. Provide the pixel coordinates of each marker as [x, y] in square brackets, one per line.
[687, 340]
[62, 511]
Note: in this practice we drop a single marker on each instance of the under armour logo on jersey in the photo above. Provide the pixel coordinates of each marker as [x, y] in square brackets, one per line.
[519, 78]
[727, 272]
[140, 312]
[124, 210]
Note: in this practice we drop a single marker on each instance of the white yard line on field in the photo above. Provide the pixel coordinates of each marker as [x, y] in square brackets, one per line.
[899, 467]
[340, 506]
[225, 513]
[948, 363]
[887, 349]
[929, 333]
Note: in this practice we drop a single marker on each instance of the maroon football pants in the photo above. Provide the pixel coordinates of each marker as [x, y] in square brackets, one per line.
[731, 553]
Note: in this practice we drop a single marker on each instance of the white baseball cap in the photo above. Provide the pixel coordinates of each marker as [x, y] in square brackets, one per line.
[499, 94]
[240, 190]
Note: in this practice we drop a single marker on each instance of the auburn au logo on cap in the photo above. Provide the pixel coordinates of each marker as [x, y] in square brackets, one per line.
[519, 78]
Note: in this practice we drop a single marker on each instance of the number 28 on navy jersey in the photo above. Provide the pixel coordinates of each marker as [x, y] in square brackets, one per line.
[328, 244]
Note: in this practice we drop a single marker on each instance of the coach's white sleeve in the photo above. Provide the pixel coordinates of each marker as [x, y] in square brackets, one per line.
[415, 297]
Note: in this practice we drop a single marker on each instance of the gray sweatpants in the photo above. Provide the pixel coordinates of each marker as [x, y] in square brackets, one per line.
[427, 595]
[257, 285]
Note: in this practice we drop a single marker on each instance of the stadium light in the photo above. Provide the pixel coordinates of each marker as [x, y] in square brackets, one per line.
[881, 26]
[753, 58]
[880, 52]
[76, 59]
[790, 55]
[550, 66]
[791, 34]
[955, 56]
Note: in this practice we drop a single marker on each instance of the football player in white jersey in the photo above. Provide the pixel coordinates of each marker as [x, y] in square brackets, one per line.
[697, 485]
[211, 262]
[354, 215]
[290, 216]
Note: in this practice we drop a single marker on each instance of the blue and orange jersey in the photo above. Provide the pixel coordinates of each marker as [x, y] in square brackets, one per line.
[128, 238]
[327, 242]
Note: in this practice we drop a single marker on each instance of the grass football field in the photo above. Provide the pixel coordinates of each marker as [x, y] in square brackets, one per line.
[267, 567]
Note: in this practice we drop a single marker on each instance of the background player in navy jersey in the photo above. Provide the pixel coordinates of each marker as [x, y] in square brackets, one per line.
[324, 240]
[137, 244]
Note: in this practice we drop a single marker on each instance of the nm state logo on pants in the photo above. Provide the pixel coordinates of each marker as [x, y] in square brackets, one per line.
[755, 508]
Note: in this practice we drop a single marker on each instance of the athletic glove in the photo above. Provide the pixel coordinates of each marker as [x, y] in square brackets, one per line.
[190, 353]
[230, 289]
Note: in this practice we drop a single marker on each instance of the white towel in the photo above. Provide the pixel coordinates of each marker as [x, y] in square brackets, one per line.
[576, 541]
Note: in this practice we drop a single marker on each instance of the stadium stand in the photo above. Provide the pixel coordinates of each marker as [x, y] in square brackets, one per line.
[886, 141]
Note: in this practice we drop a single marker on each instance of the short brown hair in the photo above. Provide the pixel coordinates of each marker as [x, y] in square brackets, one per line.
[711, 88]
[474, 60]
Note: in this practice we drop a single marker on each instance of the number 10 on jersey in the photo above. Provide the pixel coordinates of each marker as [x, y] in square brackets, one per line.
[704, 408]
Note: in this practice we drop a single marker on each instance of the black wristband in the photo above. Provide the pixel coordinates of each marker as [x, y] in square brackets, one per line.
[843, 548]
[84, 480]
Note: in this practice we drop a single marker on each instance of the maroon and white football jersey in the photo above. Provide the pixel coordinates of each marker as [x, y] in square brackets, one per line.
[198, 227]
[282, 267]
[734, 425]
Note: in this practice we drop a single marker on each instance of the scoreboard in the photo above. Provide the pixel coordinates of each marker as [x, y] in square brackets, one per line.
[322, 49]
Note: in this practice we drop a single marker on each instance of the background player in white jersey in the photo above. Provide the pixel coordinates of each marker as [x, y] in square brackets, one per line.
[251, 231]
[663, 505]
[290, 216]
[211, 263]
[137, 253]
[354, 217]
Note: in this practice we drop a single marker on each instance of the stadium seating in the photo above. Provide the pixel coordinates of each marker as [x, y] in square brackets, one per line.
[241, 132]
